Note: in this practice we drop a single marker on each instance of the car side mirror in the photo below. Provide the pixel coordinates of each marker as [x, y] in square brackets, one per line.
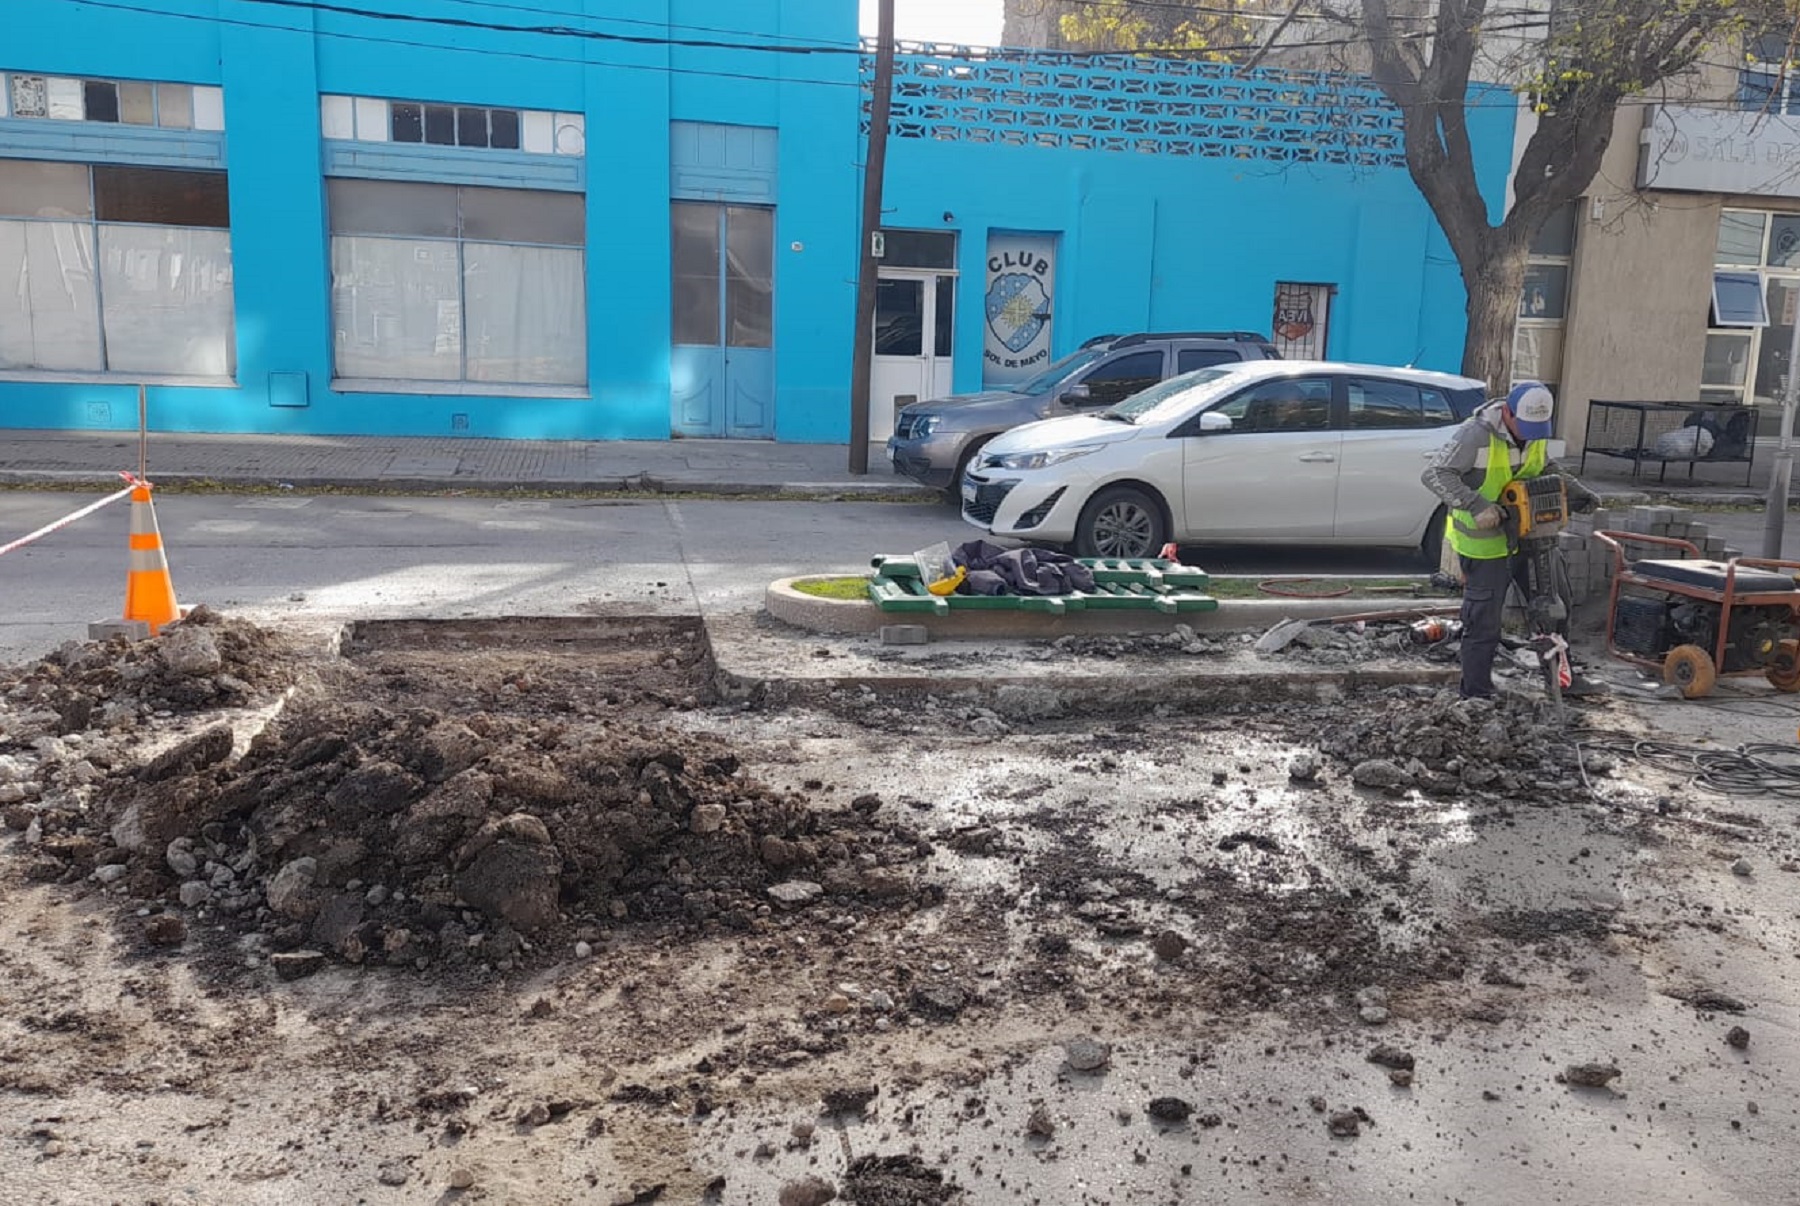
[1077, 394]
[1213, 421]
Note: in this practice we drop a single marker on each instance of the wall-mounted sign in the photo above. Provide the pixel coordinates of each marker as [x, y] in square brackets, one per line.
[1720, 151]
[1021, 285]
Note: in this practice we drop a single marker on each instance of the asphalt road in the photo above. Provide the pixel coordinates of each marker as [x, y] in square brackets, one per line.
[334, 556]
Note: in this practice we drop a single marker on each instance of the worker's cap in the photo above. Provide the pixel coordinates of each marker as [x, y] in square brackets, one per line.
[1532, 407]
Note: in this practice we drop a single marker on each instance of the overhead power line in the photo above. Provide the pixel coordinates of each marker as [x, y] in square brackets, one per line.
[555, 33]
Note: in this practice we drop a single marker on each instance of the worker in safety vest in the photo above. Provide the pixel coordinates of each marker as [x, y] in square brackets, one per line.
[1506, 439]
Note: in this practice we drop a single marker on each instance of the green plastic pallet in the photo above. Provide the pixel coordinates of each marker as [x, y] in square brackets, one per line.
[1142, 584]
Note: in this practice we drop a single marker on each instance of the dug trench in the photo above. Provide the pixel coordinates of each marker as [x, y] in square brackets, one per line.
[521, 911]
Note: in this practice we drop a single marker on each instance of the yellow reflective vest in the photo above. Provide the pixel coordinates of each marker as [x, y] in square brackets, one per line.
[1459, 527]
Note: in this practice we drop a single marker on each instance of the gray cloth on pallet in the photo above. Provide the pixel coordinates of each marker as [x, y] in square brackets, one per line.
[993, 570]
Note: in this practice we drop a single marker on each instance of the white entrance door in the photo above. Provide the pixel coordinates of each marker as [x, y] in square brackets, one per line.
[915, 340]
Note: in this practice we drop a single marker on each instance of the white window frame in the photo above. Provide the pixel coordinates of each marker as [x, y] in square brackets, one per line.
[92, 223]
[462, 385]
[1752, 335]
[1527, 327]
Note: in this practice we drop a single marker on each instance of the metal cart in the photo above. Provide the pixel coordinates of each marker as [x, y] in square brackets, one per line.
[1698, 620]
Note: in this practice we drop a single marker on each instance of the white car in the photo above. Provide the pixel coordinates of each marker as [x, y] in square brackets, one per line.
[1267, 452]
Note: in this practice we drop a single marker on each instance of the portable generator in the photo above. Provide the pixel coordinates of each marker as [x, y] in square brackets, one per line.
[1697, 620]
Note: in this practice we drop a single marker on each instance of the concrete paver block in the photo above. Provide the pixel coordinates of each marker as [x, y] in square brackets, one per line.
[905, 634]
[131, 630]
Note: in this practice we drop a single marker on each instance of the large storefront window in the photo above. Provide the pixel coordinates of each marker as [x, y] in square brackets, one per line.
[439, 282]
[1755, 303]
[115, 270]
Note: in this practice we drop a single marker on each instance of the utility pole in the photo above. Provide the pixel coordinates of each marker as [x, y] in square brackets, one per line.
[1775, 517]
[874, 172]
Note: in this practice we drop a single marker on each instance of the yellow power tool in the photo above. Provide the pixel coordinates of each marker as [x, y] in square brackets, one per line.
[1537, 508]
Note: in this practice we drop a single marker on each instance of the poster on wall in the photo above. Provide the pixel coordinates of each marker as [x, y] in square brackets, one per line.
[1021, 284]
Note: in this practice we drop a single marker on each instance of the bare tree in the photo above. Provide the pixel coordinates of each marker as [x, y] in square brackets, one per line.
[1591, 56]
[1576, 61]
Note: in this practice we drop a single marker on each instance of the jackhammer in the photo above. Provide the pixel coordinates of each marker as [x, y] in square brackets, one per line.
[1537, 512]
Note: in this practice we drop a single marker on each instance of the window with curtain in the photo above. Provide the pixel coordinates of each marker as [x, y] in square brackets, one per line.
[724, 275]
[441, 282]
[115, 270]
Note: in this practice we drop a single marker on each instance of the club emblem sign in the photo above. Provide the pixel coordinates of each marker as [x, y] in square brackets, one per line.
[1294, 314]
[1021, 287]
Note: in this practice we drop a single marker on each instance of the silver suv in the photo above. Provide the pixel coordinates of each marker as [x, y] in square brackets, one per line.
[934, 442]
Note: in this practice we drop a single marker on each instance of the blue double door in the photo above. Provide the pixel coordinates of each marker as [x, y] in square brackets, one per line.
[722, 379]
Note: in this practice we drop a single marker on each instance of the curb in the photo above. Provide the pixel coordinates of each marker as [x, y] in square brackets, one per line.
[635, 484]
[858, 617]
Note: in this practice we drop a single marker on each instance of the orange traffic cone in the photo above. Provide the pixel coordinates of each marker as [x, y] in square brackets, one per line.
[149, 593]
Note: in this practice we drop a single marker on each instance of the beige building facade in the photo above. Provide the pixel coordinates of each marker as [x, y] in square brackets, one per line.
[1684, 275]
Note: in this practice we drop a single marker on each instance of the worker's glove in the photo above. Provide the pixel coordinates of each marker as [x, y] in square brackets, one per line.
[1489, 518]
[1581, 504]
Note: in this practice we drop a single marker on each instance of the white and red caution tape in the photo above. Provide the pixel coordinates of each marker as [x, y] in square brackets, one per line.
[66, 520]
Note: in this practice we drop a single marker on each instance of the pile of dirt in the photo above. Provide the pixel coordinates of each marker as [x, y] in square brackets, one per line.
[206, 662]
[1441, 744]
[409, 837]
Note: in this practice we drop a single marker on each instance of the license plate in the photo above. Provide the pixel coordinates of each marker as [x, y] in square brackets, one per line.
[968, 490]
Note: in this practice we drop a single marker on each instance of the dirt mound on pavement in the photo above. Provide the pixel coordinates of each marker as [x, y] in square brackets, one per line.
[205, 662]
[408, 836]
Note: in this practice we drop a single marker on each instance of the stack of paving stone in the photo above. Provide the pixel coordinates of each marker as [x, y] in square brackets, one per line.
[1590, 563]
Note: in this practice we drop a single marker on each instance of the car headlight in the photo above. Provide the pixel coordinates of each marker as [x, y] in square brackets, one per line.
[925, 425]
[1041, 460]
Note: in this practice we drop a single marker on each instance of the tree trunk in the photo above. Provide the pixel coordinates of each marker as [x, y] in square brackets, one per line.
[1494, 287]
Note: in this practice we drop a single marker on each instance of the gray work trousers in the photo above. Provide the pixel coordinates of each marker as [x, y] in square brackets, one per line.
[1483, 605]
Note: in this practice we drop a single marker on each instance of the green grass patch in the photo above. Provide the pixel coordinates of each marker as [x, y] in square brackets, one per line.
[834, 588]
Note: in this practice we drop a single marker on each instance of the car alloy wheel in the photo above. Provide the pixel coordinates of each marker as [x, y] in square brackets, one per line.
[1121, 522]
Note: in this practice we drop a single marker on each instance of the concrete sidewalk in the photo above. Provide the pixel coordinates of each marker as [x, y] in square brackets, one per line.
[653, 466]
[446, 463]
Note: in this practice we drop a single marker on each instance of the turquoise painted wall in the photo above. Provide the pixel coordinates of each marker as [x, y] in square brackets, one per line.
[1159, 240]
[1189, 242]
[275, 63]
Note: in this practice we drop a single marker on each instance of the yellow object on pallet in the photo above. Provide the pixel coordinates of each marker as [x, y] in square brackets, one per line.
[947, 586]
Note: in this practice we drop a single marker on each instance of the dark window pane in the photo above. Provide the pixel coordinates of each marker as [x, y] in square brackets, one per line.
[1189, 359]
[102, 98]
[44, 190]
[471, 127]
[406, 123]
[900, 318]
[516, 215]
[694, 249]
[387, 207]
[1118, 379]
[1384, 405]
[749, 277]
[1294, 404]
[919, 249]
[440, 125]
[162, 197]
[1557, 236]
[503, 128]
[946, 316]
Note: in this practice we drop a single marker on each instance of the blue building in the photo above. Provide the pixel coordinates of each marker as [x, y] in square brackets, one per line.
[599, 220]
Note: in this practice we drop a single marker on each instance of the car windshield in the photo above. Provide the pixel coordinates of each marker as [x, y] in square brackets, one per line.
[1183, 388]
[1061, 371]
